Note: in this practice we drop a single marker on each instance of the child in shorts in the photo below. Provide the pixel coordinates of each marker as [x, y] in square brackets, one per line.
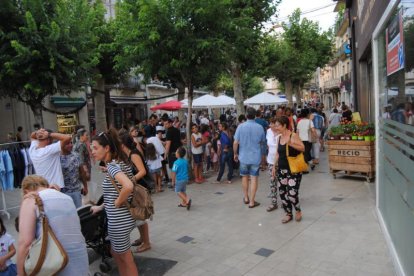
[154, 165]
[179, 178]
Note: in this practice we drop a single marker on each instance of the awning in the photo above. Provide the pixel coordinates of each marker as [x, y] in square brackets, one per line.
[128, 100]
[67, 101]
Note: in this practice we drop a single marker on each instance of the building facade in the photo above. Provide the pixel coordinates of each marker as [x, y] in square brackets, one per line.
[382, 34]
[335, 77]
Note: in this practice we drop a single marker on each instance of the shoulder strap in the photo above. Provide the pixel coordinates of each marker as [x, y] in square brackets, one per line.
[119, 191]
[287, 147]
[45, 228]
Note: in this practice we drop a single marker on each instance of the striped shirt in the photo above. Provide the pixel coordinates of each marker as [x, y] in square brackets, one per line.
[120, 222]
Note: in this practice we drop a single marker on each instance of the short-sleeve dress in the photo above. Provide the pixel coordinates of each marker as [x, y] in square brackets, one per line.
[120, 222]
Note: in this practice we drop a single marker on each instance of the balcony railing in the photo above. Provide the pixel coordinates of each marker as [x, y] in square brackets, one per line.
[332, 83]
[342, 24]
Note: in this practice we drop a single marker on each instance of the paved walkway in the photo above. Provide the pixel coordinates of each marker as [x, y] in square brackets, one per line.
[339, 233]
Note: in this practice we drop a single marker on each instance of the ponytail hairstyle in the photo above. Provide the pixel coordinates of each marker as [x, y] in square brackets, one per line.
[128, 141]
[110, 138]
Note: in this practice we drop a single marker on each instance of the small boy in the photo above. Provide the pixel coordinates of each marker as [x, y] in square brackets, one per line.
[179, 177]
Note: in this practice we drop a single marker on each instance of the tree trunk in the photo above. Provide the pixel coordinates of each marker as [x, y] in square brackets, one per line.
[100, 107]
[288, 90]
[236, 76]
[297, 93]
[188, 128]
[37, 113]
[181, 95]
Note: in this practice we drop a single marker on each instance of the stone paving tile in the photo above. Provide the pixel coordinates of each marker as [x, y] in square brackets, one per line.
[185, 239]
[264, 252]
[334, 237]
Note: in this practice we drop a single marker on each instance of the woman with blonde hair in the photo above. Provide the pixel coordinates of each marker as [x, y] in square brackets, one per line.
[106, 147]
[63, 219]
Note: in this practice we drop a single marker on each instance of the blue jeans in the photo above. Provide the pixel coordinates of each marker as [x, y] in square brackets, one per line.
[226, 157]
[76, 197]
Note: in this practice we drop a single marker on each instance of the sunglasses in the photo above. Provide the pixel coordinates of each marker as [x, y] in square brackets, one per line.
[109, 141]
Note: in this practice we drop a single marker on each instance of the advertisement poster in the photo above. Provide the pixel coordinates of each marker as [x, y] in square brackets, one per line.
[395, 44]
[66, 123]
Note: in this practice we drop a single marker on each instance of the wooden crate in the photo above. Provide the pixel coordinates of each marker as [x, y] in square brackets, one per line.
[352, 157]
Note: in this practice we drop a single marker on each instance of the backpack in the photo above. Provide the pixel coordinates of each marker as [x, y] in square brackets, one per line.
[141, 206]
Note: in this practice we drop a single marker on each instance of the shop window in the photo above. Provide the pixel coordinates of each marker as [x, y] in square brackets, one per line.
[396, 65]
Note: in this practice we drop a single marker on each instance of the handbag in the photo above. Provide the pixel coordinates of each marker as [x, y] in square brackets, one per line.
[313, 138]
[297, 163]
[46, 255]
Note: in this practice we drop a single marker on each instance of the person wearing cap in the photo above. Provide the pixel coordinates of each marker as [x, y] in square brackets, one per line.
[45, 155]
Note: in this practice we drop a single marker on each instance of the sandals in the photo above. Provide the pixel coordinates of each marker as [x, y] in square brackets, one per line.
[181, 205]
[287, 218]
[137, 242]
[188, 205]
[141, 249]
[271, 208]
[298, 216]
[255, 204]
[246, 201]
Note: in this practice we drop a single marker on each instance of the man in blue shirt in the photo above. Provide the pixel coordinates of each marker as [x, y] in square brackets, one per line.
[247, 149]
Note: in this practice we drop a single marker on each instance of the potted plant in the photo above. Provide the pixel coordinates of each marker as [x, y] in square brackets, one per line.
[335, 132]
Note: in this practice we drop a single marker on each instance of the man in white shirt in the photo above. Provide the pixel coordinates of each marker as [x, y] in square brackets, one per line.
[45, 155]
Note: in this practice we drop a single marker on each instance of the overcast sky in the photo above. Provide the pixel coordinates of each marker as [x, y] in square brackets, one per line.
[325, 16]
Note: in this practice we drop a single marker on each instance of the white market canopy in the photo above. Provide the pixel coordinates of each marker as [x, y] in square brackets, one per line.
[226, 100]
[208, 101]
[265, 98]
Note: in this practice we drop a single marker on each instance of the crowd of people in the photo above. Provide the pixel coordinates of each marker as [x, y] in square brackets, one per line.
[256, 141]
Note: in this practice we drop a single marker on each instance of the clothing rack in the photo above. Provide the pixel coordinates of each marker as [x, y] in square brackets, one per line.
[14, 143]
[4, 210]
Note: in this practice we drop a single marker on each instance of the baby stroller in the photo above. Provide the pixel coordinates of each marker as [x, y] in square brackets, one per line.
[95, 231]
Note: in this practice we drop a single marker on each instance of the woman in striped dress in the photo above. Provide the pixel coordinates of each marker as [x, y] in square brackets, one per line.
[106, 147]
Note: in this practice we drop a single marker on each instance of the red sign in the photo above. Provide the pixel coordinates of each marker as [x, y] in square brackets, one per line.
[395, 44]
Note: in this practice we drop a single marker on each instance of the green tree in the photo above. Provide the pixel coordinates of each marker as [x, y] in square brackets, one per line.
[47, 47]
[173, 39]
[243, 32]
[294, 55]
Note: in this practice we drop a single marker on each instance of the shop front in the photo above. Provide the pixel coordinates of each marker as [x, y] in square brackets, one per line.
[393, 79]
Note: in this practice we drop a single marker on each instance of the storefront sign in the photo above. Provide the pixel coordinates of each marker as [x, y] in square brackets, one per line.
[348, 152]
[66, 123]
[395, 44]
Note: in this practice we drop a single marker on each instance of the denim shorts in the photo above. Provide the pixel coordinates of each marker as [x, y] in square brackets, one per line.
[181, 186]
[249, 169]
[155, 170]
[198, 158]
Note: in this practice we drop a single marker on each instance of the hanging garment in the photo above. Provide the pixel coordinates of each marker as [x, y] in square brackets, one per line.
[2, 173]
[26, 163]
[30, 168]
[9, 179]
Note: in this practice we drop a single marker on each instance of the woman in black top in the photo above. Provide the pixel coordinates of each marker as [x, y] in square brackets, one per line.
[288, 183]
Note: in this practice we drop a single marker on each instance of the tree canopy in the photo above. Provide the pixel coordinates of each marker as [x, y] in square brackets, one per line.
[47, 47]
[294, 55]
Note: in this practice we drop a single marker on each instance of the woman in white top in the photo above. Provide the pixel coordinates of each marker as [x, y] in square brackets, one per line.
[63, 219]
[272, 138]
[304, 125]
